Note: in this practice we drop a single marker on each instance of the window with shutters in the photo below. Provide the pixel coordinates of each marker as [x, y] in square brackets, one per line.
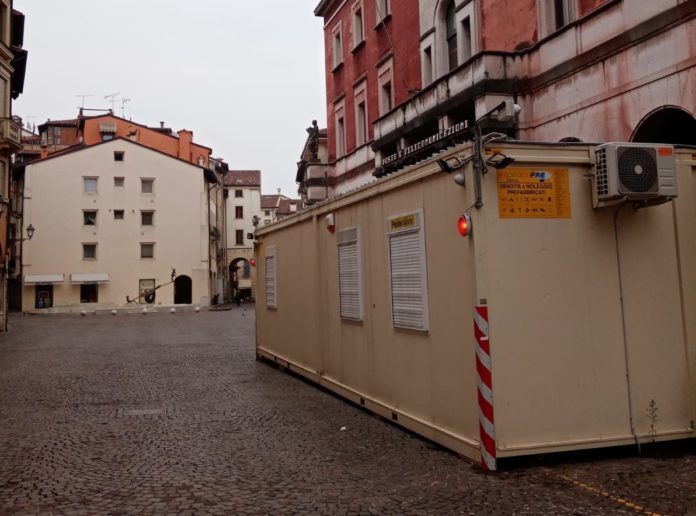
[271, 283]
[358, 24]
[349, 274]
[407, 272]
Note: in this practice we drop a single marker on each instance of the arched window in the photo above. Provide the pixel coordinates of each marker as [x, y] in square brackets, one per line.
[669, 124]
[451, 35]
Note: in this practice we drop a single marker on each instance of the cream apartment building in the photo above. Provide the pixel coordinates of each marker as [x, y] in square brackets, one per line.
[243, 204]
[111, 221]
[13, 62]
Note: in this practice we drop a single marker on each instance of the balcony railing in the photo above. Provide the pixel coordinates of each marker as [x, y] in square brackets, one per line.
[10, 134]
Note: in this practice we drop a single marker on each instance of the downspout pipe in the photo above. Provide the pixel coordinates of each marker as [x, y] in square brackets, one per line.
[210, 273]
[623, 327]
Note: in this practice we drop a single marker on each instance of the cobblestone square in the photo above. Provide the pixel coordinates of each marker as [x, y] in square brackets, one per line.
[172, 414]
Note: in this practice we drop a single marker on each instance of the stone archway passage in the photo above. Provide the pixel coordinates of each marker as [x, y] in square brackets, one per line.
[240, 272]
[183, 287]
[667, 125]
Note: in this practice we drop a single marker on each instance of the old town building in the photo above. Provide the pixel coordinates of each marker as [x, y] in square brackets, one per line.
[60, 137]
[276, 207]
[13, 59]
[57, 135]
[243, 190]
[590, 70]
[372, 65]
[113, 221]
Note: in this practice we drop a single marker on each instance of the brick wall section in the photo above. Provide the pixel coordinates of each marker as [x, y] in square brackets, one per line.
[587, 5]
[511, 24]
[508, 23]
[403, 29]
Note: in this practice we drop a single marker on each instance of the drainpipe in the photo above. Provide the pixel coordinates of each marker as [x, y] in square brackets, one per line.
[225, 270]
[623, 327]
[6, 273]
[478, 172]
[210, 274]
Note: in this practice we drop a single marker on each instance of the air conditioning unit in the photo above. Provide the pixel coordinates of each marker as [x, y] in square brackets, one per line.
[633, 172]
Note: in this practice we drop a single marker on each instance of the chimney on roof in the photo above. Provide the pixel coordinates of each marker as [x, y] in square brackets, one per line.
[185, 140]
[162, 125]
[278, 191]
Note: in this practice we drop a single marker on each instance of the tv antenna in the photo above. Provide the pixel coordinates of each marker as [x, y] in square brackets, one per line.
[112, 98]
[124, 101]
[29, 119]
[83, 96]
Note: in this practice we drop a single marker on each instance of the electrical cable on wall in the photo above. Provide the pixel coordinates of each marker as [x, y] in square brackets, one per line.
[409, 90]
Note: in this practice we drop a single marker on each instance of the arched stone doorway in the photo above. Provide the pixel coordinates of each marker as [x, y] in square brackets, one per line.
[668, 124]
[240, 279]
[183, 290]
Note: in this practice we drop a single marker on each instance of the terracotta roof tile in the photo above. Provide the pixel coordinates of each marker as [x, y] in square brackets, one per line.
[269, 201]
[285, 204]
[242, 178]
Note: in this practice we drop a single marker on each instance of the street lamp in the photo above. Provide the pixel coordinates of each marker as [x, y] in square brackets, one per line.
[4, 204]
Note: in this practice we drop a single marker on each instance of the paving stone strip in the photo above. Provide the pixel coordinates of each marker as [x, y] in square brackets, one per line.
[172, 414]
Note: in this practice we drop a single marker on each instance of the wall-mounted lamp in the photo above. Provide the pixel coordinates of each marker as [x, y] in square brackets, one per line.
[499, 160]
[30, 232]
[330, 223]
[449, 165]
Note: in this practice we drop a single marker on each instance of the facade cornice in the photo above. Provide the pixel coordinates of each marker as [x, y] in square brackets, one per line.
[324, 7]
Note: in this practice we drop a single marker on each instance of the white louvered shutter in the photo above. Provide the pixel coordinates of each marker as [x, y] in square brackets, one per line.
[349, 274]
[271, 281]
[408, 277]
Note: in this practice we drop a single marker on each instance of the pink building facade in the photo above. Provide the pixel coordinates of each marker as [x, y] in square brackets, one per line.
[372, 65]
[590, 70]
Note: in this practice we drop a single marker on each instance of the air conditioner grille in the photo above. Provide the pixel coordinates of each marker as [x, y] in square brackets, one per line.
[637, 169]
[602, 177]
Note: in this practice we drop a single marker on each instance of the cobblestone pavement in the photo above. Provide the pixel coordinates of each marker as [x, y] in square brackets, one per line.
[171, 414]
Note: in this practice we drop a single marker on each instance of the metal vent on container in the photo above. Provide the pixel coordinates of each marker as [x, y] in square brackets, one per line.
[601, 177]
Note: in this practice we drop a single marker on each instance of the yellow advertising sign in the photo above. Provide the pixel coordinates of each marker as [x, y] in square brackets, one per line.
[403, 222]
[533, 193]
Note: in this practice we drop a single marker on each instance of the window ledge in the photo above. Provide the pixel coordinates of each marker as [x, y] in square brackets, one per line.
[411, 330]
[358, 46]
[337, 67]
[381, 23]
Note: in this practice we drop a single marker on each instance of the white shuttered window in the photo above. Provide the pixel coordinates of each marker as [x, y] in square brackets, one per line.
[408, 277]
[271, 282]
[349, 276]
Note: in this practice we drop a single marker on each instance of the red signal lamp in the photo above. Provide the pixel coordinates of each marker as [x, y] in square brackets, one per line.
[464, 225]
[252, 262]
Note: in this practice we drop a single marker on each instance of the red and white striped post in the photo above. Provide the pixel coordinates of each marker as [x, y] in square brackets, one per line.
[485, 388]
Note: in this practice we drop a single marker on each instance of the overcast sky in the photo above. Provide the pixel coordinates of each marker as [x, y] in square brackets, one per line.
[246, 76]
